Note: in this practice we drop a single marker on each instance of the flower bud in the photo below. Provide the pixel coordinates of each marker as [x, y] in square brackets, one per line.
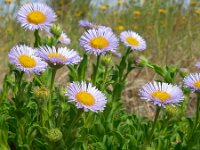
[173, 110]
[42, 93]
[141, 61]
[50, 41]
[56, 30]
[106, 60]
[54, 135]
[184, 72]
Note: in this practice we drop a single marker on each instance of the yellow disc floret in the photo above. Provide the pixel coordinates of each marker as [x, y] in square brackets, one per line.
[161, 95]
[99, 42]
[27, 61]
[56, 55]
[197, 84]
[85, 98]
[36, 17]
[132, 41]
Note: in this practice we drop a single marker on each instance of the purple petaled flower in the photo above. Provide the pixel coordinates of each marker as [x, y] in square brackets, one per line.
[192, 81]
[86, 24]
[58, 57]
[86, 96]
[133, 40]
[25, 59]
[63, 39]
[99, 41]
[161, 94]
[197, 64]
[35, 16]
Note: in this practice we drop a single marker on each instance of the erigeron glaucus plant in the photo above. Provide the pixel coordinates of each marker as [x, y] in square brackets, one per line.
[87, 111]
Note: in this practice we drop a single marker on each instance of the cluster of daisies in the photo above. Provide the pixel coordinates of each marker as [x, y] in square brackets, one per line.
[97, 40]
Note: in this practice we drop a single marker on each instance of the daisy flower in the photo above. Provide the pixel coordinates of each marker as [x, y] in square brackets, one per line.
[161, 94]
[86, 96]
[198, 64]
[133, 40]
[24, 58]
[34, 16]
[99, 41]
[86, 24]
[192, 81]
[58, 57]
[63, 39]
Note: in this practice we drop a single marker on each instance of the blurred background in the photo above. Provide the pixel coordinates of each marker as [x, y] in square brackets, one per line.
[170, 27]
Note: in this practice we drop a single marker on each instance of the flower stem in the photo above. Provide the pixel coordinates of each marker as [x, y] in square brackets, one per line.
[154, 123]
[197, 117]
[123, 64]
[37, 39]
[94, 75]
[51, 91]
[119, 85]
[105, 77]
[197, 111]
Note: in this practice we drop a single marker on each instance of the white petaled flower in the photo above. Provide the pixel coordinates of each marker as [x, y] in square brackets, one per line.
[99, 41]
[58, 57]
[161, 94]
[133, 40]
[86, 96]
[64, 39]
[35, 16]
[25, 59]
[192, 81]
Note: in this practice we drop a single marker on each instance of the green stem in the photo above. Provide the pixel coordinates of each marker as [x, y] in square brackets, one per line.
[104, 77]
[154, 123]
[42, 115]
[94, 75]
[197, 116]
[60, 112]
[37, 39]
[51, 92]
[72, 128]
[80, 111]
[197, 111]
[122, 65]
[119, 85]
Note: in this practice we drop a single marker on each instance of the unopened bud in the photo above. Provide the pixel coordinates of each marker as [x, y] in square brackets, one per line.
[141, 61]
[56, 30]
[172, 109]
[50, 41]
[106, 60]
[54, 135]
[184, 72]
[42, 93]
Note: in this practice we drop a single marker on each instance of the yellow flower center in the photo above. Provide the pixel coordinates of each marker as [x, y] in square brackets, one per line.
[7, 1]
[132, 41]
[85, 98]
[36, 17]
[99, 42]
[26, 61]
[161, 95]
[56, 55]
[197, 84]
